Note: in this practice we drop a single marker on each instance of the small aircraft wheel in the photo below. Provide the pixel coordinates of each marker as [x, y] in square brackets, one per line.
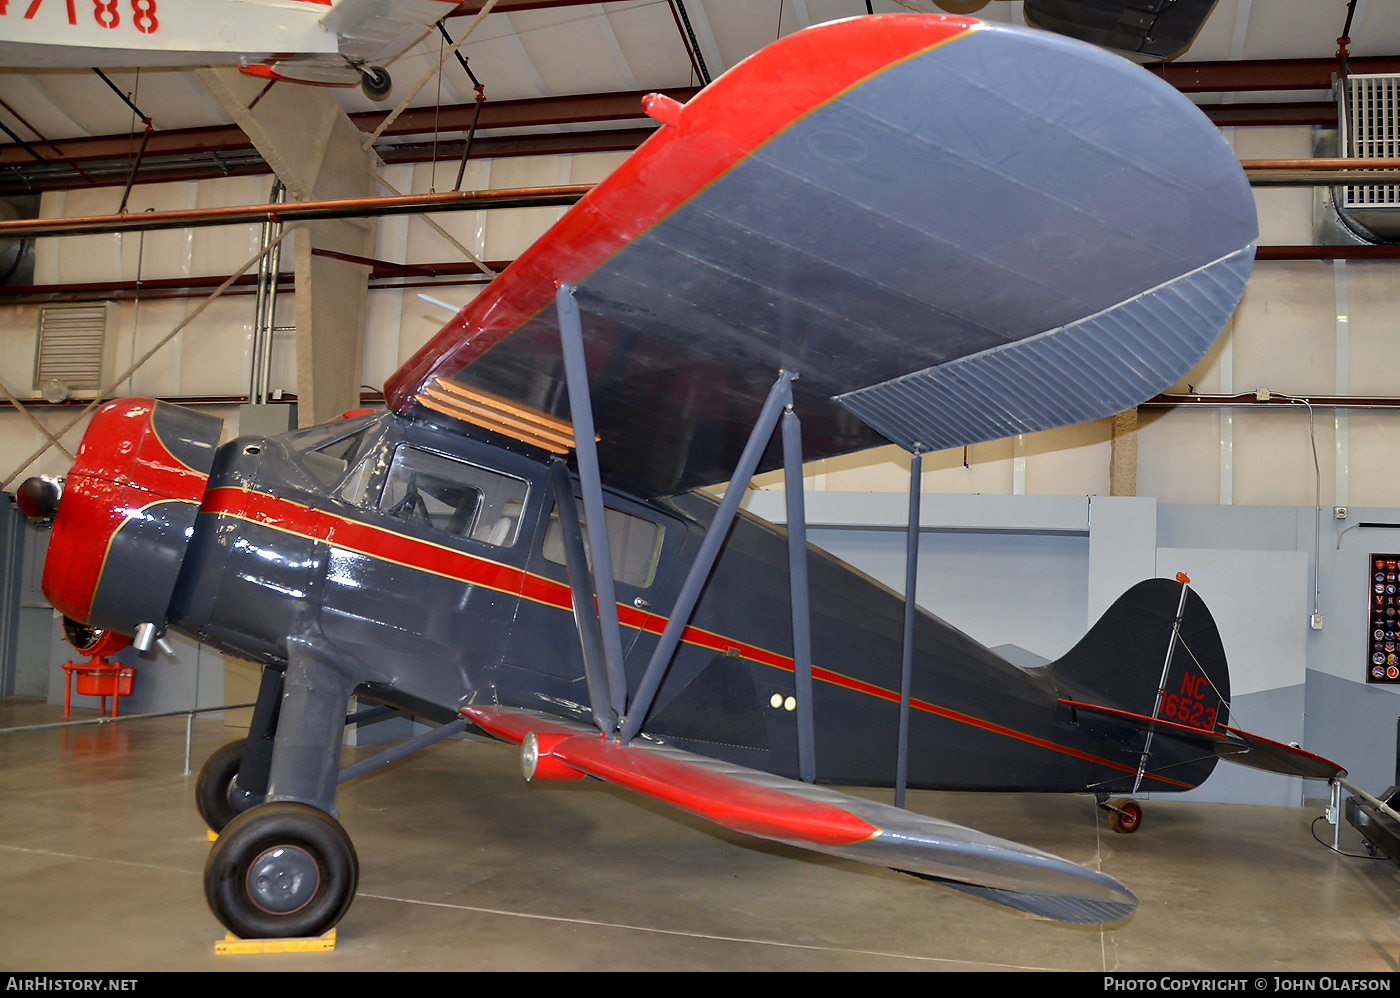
[1124, 815]
[211, 789]
[375, 82]
[281, 869]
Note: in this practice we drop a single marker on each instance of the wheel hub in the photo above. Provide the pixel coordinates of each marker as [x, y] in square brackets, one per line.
[283, 880]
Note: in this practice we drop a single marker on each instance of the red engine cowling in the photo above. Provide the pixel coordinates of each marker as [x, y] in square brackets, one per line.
[126, 513]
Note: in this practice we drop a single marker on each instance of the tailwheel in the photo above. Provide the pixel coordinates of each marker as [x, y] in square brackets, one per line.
[216, 791]
[1124, 815]
[281, 869]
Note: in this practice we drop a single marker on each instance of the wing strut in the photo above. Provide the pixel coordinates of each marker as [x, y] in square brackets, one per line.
[585, 599]
[911, 578]
[797, 583]
[581, 409]
[779, 396]
[606, 638]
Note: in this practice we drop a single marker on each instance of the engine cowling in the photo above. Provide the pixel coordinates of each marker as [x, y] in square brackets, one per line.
[126, 513]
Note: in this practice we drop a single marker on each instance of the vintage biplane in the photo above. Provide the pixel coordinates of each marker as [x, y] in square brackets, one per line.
[919, 229]
[304, 41]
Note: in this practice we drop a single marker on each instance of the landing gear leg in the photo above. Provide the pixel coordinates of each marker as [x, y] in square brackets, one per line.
[235, 777]
[286, 867]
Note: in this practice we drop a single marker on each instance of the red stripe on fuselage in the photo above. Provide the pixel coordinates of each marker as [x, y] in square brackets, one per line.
[389, 545]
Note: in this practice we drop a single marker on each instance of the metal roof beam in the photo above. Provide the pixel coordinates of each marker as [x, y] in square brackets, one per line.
[1264, 74]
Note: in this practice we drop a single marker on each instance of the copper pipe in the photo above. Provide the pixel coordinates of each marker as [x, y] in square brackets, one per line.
[408, 204]
[1321, 164]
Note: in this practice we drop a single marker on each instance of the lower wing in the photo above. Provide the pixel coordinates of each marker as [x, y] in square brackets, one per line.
[821, 819]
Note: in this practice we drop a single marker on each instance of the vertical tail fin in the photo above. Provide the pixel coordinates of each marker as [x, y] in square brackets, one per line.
[1120, 662]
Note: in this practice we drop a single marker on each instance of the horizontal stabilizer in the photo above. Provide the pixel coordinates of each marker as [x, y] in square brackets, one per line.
[824, 820]
[1242, 747]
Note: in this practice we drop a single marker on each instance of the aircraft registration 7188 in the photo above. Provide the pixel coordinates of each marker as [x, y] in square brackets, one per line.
[906, 228]
[304, 41]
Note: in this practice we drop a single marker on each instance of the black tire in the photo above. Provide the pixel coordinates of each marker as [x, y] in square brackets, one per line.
[1124, 815]
[375, 82]
[211, 788]
[280, 870]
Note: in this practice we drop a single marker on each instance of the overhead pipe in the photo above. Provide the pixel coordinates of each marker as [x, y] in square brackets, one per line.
[408, 204]
[1321, 172]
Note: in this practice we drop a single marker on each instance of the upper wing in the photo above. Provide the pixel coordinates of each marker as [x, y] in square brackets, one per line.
[954, 231]
[823, 820]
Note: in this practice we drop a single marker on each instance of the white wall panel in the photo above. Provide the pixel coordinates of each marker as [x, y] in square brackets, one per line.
[510, 232]
[19, 439]
[420, 321]
[424, 244]
[1284, 334]
[215, 348]
[1374, 446]
[138, 330]
[1072, 460]
[164, 252]
[1285, 213]
[219, 250]
[1179, 455]
[78, 259]
[1373, 300]
[1274, 457]
[593, 167]
[19, 325]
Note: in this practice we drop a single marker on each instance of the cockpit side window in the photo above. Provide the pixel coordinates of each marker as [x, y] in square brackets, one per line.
[634, 544]
[326, 453]
[453, 497]
[330, 461]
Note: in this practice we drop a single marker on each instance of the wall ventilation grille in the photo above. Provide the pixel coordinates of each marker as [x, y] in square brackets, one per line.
[1371, 130]
[72, 341]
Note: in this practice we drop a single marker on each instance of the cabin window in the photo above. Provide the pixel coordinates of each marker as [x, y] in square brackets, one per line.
[326, 453]
[329, 462]
[633, 541]
[454, 497]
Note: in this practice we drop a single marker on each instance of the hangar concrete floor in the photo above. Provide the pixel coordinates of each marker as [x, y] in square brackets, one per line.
[464, 866]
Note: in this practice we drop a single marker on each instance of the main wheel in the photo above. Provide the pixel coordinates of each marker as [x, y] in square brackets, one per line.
[281, 869]
[212, 787]
[375, 82]
[1124, 815]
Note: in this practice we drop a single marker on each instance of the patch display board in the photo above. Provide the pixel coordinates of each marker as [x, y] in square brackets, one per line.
[1382, 656]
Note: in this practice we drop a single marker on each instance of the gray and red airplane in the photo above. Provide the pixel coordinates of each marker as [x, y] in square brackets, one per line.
[916, 229]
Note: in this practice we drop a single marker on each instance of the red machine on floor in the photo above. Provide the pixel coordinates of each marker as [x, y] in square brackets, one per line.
[99, 675]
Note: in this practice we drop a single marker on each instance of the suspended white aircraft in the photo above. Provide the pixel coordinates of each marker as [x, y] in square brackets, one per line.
[306, 41]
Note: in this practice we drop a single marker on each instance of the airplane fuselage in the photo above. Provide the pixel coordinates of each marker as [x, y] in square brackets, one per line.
[436, 609]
